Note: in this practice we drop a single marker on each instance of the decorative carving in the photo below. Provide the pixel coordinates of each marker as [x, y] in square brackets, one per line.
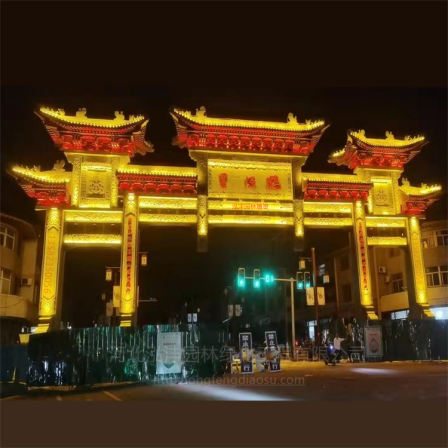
[170, 203]
[202, 216]
[417, 260]
[92, 239]
[386, 241]
[327, 207]
[167, 218]
[59, 165]
[385, 221]
[327, 222]
[251, 219]
[298, 218]
[96, 187]
[272, 183]
[93, 216]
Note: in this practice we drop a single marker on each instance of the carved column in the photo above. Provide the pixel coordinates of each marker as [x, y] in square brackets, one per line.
[418, 305]
[296, 167]
[202, 189]
[50, 268]
[362, 255]
[129, 260]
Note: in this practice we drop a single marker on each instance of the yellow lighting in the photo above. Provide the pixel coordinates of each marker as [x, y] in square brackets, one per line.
[93, 216]
[388, 141]
[250, 219]
[92, 239]
[49, 177]
[420, 191]
[328, 222]
[385, 221]
[381, 181]
[246, 205]
[387, 241]
[161, 218]
[82, 119]
[417, 260]
[158, 170]
[170, 203]
[327, 207]
[291, 125]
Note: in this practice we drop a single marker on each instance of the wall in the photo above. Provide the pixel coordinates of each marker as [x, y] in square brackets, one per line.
[29, 268]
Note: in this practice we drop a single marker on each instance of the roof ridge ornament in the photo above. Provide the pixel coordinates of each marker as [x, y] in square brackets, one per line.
[389, 136]
[293, 119]
[201, 112]
[81, 113]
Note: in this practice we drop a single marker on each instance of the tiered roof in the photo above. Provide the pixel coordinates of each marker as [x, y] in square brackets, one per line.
[80, 133]
[364, 152]
[198, 131]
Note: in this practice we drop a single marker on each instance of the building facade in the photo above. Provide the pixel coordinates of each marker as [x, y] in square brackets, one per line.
[248, 174]
[20, 275]
[390, 277]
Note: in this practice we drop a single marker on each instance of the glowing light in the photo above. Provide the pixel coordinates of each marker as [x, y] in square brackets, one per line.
[249, 219]
[292, 125]
[161, 218]
[390, 141]
[385, 221]
[158, 170]
[82, 119]
[324, 207]
[93, 216]
[386, 241]
[49, 177]
[244, 205]
[92, 239]
[170, 203]
[327, 222]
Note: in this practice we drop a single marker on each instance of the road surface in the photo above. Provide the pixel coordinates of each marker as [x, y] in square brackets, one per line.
[297, 381]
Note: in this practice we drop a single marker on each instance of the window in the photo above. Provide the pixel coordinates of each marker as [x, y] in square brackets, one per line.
[444, 274]
[346, 293]
[432, 276]
[399, 315]
[437, 276]
[344, 261]
[5, 281]
[394, 252]
[440, 313]
[442, 237]
[397, 282]
[7, 237]
[428, 242]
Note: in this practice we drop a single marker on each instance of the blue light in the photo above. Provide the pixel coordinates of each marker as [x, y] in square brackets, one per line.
[257, 284]
[308, 285]
[241, 283]
[300, 285]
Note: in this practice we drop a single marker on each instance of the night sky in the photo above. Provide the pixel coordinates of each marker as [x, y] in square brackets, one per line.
[176, 273]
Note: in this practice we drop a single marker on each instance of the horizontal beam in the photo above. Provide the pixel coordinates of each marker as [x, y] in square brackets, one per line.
[327, 207]
[387, 241]
[166, 218]
[168, 203]
[385, 221]
[214, 204]
[92, 239]
[251, 220]
[88, 216]
[327, 222]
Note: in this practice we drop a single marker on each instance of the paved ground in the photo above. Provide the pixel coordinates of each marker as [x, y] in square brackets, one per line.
[297, 381]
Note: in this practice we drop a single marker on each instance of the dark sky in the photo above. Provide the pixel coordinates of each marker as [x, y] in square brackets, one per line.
[176, 270]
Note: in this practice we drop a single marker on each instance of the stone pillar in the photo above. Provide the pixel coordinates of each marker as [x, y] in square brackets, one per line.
[202, 189]
[362, 258]
[129, 260]
[418, 305]
[296, 166]
[50, 268]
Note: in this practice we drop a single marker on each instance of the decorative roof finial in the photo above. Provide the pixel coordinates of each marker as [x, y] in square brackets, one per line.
[201, 112]
[81, 113]
[59, 165]
[389, 136]
[405, 182]
[292, 119]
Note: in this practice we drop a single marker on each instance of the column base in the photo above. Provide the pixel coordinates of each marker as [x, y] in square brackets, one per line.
[420, 311]
[364, 312]
[43, 325]
[126, 320]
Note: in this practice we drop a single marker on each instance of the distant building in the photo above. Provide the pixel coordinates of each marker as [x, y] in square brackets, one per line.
[20, 259]
[390, 279]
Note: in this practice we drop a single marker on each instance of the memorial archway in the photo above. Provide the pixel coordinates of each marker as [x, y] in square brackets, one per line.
[248, 174]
